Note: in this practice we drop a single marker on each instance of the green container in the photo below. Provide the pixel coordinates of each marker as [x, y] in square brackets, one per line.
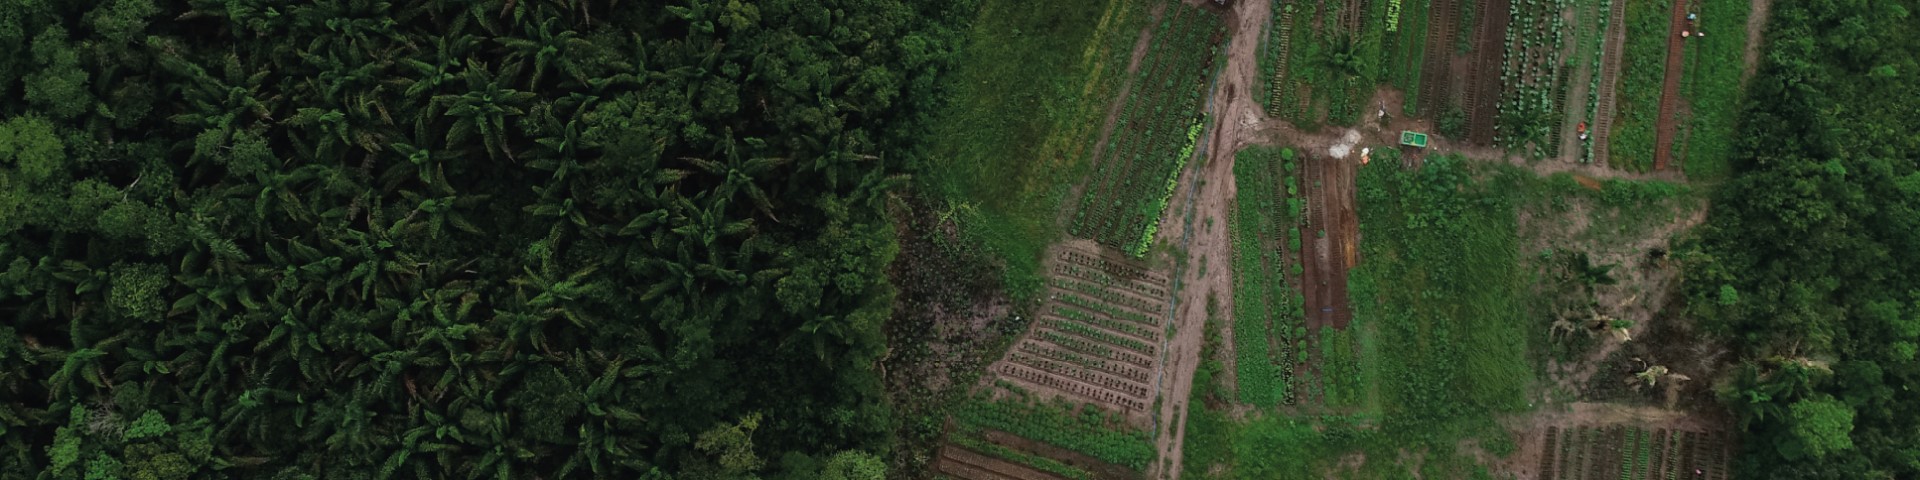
[1414, 139]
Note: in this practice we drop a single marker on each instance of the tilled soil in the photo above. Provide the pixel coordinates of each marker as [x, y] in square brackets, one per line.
[1484, 86]
[1668, 122]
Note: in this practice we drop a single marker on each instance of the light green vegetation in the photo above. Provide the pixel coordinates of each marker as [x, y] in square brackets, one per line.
[1712, 86]
[1013, 139]
[1082, 428]
[991, 449]
[1154, 134]
[1268, 321]
[1637, 99]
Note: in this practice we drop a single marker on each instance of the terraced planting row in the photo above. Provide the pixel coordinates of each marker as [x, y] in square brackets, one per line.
[1531, 106]
[1633, 453]
[1154, 134]
[1098, 338]
[1268, 326]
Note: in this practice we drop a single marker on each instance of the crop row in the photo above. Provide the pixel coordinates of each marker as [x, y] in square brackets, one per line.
[1084, 375]
[1081, 316]
[1631, 453]
[1093, 267]
[1132, 310]
[1062, 424]
[1151, 307]
[1531, 70]
[1153, 134]
[1106, 365]
[1096, 334]
[1069, 385]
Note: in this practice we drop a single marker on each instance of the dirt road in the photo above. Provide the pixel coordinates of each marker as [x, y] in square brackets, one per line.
[1208, 188]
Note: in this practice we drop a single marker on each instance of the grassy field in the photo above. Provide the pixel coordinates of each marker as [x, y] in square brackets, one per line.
[1004, 175]
[1712, 87]
[1642, 69]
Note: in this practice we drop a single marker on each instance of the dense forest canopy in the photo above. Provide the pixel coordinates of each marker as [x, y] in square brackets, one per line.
[452, 238]
[1808, 261]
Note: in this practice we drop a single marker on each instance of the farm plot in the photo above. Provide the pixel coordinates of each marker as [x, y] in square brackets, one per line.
[1269, 327]
[1642, 72]
[1057, 423]
[1098, 337]
[1536, 79]
[1153, 135]
[1329, 56]
[1484, 87]
[972, 465]
[1330, 240]
[1633, 453]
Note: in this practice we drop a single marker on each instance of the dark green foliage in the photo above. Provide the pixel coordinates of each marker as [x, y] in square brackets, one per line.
[451, 239]
[1806, 263]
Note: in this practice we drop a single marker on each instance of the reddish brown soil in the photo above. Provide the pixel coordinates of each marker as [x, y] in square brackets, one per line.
[1669, 122]
[1329, 188]
[1484, 86]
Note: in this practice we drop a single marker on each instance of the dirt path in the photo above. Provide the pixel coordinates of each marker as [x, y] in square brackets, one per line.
[1668, 122]
[1609, 81]
[1208, 186]
[1756, 31]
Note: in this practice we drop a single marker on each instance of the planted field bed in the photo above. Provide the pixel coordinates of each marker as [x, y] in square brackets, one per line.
[1484, 88]
[1536, 78]
[1633, 453]
[1333, 58]
[1642, 75]
[1072, 428]
[1269, 328]
[1154, 134]
[1098, 337]
[968, 464]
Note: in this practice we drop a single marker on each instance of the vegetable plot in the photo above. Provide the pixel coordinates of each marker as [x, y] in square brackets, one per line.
[1632, 453]
[1099, 336]
[1154, 135]
[1268, 324]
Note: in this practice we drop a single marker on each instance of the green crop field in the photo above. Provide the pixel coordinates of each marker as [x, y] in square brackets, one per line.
[1269, 325]
[1154, 135]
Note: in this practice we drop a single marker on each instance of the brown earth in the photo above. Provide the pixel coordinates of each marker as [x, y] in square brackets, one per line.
[1483, 84]
[1330, 236]
[1668, 122]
